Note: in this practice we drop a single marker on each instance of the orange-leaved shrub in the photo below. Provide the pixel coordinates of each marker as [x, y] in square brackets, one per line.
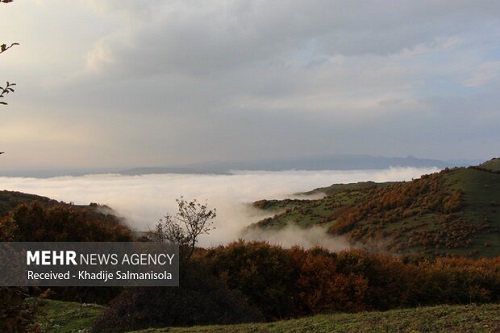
[292, 282]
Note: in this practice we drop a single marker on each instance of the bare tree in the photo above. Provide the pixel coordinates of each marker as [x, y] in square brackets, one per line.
[191, 220]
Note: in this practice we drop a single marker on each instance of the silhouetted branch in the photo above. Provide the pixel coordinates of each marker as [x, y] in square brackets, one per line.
[4, 47]
[4, 91]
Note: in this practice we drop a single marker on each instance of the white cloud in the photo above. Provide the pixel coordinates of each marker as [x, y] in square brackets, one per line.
[210, 37]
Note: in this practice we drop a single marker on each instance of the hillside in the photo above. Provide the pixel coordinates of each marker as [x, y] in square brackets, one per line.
[493, 165]
[59, 316]
[10, 199]
[445, 318]
[452, 212]
[32, 218]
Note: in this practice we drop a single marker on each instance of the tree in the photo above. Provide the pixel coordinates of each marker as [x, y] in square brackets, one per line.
[8, 86]
[191, 220]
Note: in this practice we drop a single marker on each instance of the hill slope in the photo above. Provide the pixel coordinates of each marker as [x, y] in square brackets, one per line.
[453, 212]
[492, 165]
[71, 317]
[10, 199]
[444, 318]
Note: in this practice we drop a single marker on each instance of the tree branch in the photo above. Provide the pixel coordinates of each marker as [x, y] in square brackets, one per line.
[4, 91]
[4, 47]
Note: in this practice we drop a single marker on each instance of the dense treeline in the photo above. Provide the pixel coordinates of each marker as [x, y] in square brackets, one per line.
[35, 222]
[293, 282]
[249, 281]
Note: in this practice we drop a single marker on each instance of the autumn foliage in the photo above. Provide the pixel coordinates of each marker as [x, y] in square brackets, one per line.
[400, 200]
[55, 222]
[287, 283]
[60, 222]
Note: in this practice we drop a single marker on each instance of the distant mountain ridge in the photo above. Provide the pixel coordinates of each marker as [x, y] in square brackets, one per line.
[333, 162]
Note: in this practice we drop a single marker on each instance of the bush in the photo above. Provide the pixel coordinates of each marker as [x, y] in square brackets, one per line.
[199, 300]
[16, 313]
[265, 274]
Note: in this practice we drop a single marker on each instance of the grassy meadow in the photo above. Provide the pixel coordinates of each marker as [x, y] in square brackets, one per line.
[69, 317]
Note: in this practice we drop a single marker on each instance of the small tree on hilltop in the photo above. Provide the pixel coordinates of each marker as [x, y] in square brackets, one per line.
[191, 220]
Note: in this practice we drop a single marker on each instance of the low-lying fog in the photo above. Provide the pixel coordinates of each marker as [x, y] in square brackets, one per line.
[142, 200]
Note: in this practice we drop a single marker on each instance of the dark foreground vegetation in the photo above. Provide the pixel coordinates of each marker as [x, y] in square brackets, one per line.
[36, 219]
[249, 282]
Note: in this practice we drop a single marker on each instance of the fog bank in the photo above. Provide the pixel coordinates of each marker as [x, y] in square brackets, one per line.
[142, 200]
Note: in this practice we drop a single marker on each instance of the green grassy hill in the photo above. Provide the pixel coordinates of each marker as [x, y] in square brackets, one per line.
[67, 317]
[57, 316]
[493, 164]
[453, 212]
[445, 318]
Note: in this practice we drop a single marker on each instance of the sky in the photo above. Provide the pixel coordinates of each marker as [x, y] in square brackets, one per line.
[124, 83]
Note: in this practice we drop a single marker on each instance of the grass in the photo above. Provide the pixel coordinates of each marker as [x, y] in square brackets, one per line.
[481, 194]
[493, 164]
[67, 317]
[445, 318]
[72, 317]
[306, 213]
[472, 231]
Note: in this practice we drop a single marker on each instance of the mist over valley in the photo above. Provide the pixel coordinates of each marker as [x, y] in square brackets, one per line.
[143, 199]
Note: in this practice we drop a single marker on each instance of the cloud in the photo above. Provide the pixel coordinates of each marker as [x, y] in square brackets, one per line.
[173, 82]
[144, 199]
[293, 235]
[201, 38]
